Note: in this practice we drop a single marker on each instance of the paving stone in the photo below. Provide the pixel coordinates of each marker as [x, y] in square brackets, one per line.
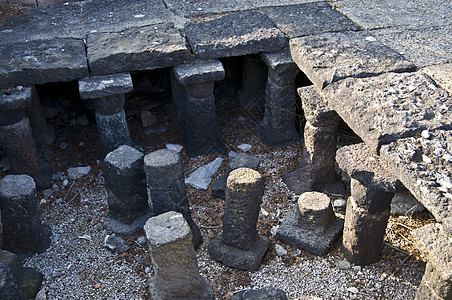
[330, 57]
[360, 163]
[38, 62]
[429, 182]
[203, 7]
[384, 108]
[143, 48]
[441, 74]
[423, 47]
[308, 18]
[102, 86]
[235, 34]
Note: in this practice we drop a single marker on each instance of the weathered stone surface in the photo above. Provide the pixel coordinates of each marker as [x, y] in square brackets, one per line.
[424, 46]
[268, 293]
[12, 99]
[390, 106]
[143, 48]
[433, 285]
[75, 173]
[166, 186]
[441, 74]
[405, 204]
[315, 107]
[201, 177]
[9, 289]
[235, 34]
[199, 71]
[115, 244]
[102, 86]
[369, 197]
[37, 62]
[360, 163]
[281, 68]
[331, 57]
[110, 105]
[174, 260]
[308, 18]
[424, 166]
[113, 131]
[204, 7]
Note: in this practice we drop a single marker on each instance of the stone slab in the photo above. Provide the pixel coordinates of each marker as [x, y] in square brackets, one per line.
[387, 13]
[204, 7]
[333, 56]
[436, 245]
[424, 46]
[441, 74]
[199, 71]
[308, 18]
[280, 61]
[11, 99]
[424, 165]
[102, 86]
[235, 34]
[38, 62]
[362, 164]
[384, 108]
[143, 48]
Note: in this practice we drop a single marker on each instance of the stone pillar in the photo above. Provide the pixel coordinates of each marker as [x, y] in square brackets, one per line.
[366, 218]
[252, 92]
[22, 229]
[435, 244]
[42, 131]
[108, 95]
[125, 181]
[174, 260]
[311, 225]
[16, 137]
[201, 133]
[316, 171]
[239, 245]
[178, 107]
[166, 186]
[278, 126]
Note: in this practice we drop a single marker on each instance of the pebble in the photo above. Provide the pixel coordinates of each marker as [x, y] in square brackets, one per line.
[426, 159]
[58, 200]
[232, 154]
[97, 286]
[264, 212]
[280, 251]
[342, 265]
[55, 187]
[81, 144]
[353, 290]
[174, 147]
[244, 147]
[425, 134]
[63, 146]
[339, 203]
[65, 182]
[273, 230]
[47, 193]
[141, 240]
[78, 172]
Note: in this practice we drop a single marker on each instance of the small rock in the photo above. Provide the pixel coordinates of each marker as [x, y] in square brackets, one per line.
[85, 237]
[81, 144]
[97, 286]
[147, 118]
[353, 290]
[78, 172]
[342, 265]
[55, 187]
[115, 244]
[41, 295]
[174, 147]
[241, 118]
[82, 120]
[357, 268]
[274, 230]
[141, 240]
[425, 134]
[201, 177]
[296, 252]
[280, 251]
[147, 270]
[47, 193]
[65, 182]
[264, 212]
[244, 147]
[426, 159]
[63, 146]
[339, 203]
[4, 164]
[58, 200]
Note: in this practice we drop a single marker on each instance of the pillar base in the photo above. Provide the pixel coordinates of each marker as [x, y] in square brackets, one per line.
[205, 292]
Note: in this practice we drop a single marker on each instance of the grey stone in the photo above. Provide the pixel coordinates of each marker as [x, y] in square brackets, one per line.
[428, 182]
[102, 86]
[243, 160]
[390, 106]
[120, 227]
[423, 47]
[254, 79]
[143, 48]
[311, 225]
[78, 172]
[113, 131]
[343, 265]
[22, 229]
[315, 107]
[405, 204]
[42, 132]
[166, 187]
[280, 251]
[360, 163]
[204, 7]
[201, 177]
[281, 68]
[41, 295]
[12, 99]
[174, 260]
[199, 71]
[125, 182]
[235, 34]
[147, 118]
[441, 74]
[331, 57]
[262, 3]
[9, 289]
[219, 187]
[110, 105]
[37, 62]
[308, 19]
[433, 286]
[115, 244]
[267, 293]
[174, 147]
[29, 281]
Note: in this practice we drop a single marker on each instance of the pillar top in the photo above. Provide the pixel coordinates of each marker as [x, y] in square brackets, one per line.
[199, 71]
[166, 228]
[244, 176]
[102, 86]
[162, 158]
[123, 157]
[280, 59]
[15, 98]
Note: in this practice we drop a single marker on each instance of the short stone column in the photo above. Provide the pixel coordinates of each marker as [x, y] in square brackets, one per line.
[201, 132]
[278, 126]
[166, 187]
[174, 260]
[125, 181]
[316, 171]
[22, 229]
[42, 131]
[108, 95]
[239, 245]
[254, 78]
[435, 244]
[311, 225]
[16, 137]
